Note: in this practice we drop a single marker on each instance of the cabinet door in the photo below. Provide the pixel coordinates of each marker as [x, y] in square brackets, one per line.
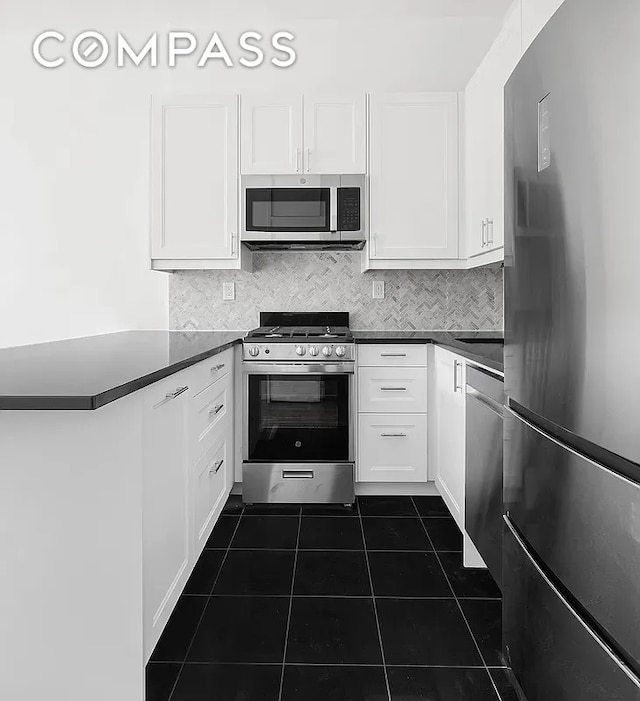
[393, 448]
[165, 503]
[195, 175]
[334, 133]
[414, 176]
[271, 134]
[450, 430]
[210, 487]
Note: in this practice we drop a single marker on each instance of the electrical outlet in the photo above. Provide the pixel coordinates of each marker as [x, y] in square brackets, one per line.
[228, 290]
[378, 289]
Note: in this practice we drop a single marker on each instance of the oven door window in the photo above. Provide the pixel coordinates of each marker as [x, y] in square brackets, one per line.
[298, 418]
[288, 209]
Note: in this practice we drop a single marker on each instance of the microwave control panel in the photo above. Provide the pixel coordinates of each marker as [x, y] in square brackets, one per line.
[349, 209]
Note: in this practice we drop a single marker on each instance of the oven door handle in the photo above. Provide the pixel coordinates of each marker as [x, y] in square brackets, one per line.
[251, 368]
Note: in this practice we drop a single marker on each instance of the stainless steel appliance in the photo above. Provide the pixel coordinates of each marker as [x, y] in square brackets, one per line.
[298, 386]
[483, 472]
[571, 578]
[303, 212]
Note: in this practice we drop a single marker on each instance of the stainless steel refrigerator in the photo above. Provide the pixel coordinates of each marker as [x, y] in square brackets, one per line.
[571, 568]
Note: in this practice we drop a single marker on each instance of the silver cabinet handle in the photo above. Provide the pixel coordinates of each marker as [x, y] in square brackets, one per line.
[308, 160]
[216, 466]
[216, 410]
[177, 393]
[297, 474]
[233, 243]
[484, 233]
[456, 386]
[393, 389]
[489, 231]
[393, 435]
[393, 355]
[215, 368]
[374, 243]
[298, 158]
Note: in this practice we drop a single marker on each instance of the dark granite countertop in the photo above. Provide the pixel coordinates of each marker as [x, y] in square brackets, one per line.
[87, 373]
[489, 354]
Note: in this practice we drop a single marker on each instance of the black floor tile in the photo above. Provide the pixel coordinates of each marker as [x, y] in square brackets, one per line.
[469, 582]
[440, 684]
[265, 572]
[224, 682]
[222, 532]
[178, 633]
[444, 533]
[485, 619]
[234, 505]
[315, 683]
[276, 532]
[272, 510]
[425, 632]
[386, 506]
[504, 684]
[160, 679]
[407, 574]
[322, 533]
[241, 629]
[395, 534]
[332, 573]
[431, 506]
[205, 572]
[330, 510]
[333, 631]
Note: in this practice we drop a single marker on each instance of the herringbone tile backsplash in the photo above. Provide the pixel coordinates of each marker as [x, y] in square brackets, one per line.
[311, 281]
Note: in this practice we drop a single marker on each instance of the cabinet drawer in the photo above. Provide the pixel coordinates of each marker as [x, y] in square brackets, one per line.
[412, 354]
[393, 448]
[209, 371]
[209, 490]
[391, 390]
[209, 411]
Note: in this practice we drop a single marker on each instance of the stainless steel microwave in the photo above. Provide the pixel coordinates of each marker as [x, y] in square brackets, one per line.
[306, 212]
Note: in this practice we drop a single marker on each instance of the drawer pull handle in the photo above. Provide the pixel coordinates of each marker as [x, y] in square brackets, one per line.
[393, 389]
[177, 393]
[393, 435]
[215, 368]
[216, 466]
[216, 410]
[393, 355]
[297, 474]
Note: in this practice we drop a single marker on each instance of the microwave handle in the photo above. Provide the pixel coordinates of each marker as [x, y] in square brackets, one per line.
[333, 209]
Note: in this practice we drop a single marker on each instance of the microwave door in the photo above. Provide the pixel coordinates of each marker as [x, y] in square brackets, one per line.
[288, 210]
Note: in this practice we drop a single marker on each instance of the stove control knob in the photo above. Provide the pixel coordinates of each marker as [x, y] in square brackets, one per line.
[253, 351]
[300, 350]
[340, 351]
[313, 350]
[326, 351]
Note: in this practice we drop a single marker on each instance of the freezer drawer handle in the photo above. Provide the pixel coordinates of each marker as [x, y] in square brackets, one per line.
[216, 466]
[297, 474]
[393, 435]
[393, 389]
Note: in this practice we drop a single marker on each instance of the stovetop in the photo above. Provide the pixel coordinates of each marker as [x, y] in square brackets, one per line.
[300, 333]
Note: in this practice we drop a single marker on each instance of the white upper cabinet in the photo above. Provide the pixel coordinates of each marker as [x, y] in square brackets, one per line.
[335, 133]
[271, 134]
[194, 178]
[414, 177]
[484, 142]
[303, 134]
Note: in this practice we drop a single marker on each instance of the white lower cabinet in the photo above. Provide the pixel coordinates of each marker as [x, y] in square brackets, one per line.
[393, 447]
[165, 515]
[209, 490]
[392, 413]
[449, 408]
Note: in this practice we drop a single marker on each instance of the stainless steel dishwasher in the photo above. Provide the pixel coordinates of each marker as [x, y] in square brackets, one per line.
[483, 468]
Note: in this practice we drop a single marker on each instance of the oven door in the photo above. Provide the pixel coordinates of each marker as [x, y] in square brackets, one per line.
[298, 412]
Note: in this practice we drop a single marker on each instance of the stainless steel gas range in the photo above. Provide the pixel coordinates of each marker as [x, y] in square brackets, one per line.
[298, 423]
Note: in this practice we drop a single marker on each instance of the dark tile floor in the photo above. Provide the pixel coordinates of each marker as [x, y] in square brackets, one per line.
[290, 603]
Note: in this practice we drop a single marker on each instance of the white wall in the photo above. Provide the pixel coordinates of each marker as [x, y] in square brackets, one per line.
[74, 142]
